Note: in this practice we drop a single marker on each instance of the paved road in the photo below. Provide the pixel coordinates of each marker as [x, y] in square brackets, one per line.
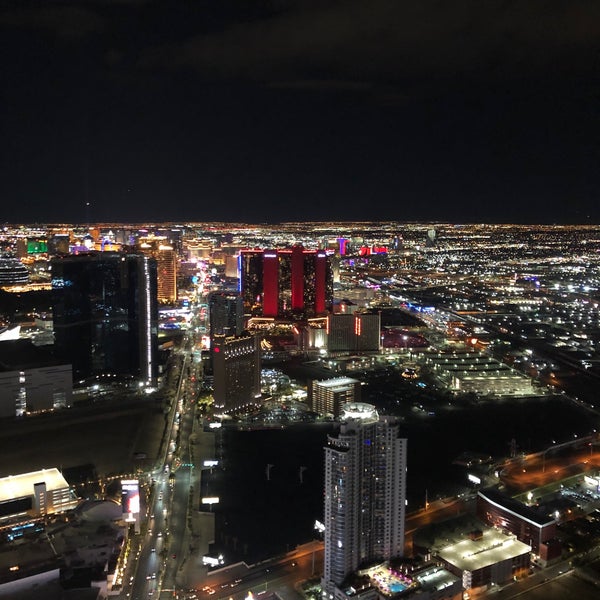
[153, 566]
[283, 575]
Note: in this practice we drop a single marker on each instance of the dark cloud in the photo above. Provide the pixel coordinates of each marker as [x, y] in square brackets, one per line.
[279, 109]
[391, 40]
[74, 19]
[63, 20]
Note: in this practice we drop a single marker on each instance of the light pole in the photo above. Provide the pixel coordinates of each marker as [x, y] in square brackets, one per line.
[320, 528]
[544, 461]
[544, 456]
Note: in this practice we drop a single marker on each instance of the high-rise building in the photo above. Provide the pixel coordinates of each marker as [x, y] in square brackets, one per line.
[105, 314]
[236, 369]
[231, 265]
[329, 396]
[226, 313]
[357, 332]
[166, 267]
[365, 491]
[287, 282]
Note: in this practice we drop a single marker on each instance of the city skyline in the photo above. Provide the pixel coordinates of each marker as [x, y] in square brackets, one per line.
[449, 388]
[263, 111]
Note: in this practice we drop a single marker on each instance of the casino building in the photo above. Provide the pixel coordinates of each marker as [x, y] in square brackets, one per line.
[358, 332]
[290, 282]
[12, 271]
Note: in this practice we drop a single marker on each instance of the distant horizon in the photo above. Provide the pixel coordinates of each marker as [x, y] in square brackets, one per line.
[185, 223]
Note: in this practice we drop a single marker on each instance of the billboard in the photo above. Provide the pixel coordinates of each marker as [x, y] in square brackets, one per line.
[130, 496]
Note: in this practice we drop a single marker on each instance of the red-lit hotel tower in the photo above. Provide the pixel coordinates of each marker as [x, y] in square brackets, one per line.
[287, 282]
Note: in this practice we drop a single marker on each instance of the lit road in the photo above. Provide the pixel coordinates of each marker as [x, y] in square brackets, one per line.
[149, 563]
[154, 567]
[542, 469]
[178, 509]
[278, 575]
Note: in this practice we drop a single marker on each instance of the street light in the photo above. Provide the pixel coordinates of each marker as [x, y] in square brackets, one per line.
[320, 528]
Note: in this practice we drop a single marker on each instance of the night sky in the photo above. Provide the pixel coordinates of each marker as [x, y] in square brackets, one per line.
[273, 110]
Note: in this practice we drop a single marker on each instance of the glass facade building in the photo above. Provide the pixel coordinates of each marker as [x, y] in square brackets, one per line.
[105, 314]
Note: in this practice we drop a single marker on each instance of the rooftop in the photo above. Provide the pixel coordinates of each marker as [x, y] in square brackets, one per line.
[359, 411]
[337, 382]
[18, 486]
[492, 548]
[435, 578]
[515, 507]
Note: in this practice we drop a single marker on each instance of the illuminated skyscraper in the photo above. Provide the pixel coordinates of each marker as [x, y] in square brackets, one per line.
[236, 368]
[288, 282]
[365, 491]
[105, 314]
[166, 267]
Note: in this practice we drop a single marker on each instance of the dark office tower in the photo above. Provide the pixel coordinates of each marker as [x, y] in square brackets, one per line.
[365, 491]
[236, 368]
[106, 315]
[286, 283]
[226, 314]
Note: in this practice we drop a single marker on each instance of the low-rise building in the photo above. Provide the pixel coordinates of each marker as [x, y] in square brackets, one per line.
[491, 557]
[528, 525]
[35, 494]
[475, 372]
